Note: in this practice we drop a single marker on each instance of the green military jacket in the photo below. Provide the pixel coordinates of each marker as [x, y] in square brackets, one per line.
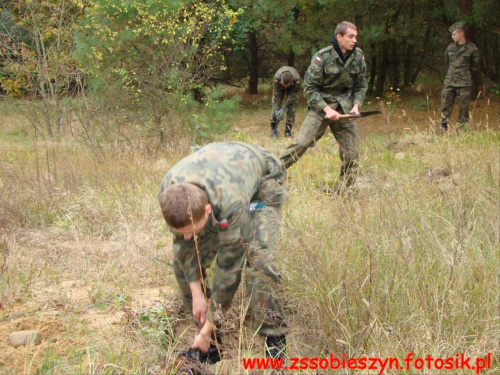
[229, 173]
[329, 81]
[462, 63]
[279, 90]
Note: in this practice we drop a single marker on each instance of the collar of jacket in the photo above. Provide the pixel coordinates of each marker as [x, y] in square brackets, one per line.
[460, 47]
[337, 49]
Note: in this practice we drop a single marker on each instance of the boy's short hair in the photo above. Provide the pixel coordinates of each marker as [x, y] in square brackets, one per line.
[343, 26]
[286, 78]
[174, 203]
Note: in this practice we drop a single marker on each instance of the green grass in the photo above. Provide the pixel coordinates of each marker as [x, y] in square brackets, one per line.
[409, 263]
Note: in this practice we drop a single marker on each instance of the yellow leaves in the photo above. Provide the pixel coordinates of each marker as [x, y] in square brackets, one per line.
[12, 86]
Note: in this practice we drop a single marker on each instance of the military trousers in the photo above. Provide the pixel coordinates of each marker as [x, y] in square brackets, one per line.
[262, 279]
[448, 96]
[278, 98]
[313, 128]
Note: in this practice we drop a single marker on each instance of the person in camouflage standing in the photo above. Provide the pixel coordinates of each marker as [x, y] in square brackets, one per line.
[286, 82]
[228, 195]
[334, 84]
[462, 61]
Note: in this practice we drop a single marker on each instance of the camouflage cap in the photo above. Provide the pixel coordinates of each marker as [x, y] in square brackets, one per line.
[457, 25]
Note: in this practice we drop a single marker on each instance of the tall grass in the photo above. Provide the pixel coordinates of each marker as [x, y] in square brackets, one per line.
[408, 263]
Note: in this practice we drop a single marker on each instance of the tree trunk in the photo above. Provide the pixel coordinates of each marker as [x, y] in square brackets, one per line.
[373, 69]
[466, 8]
[253, 82]
[423, 55]
[42, 76]
[409, 51]
[382, 68]
[291, 53]
[394, 72]
[291, 58]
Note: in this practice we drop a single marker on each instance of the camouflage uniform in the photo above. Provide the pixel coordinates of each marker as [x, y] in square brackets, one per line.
[330, 81]
[292, 93]
[462, 62]
[233, 175]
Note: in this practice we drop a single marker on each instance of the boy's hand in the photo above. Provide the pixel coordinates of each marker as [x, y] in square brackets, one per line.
[202, 338]
[355, 110]
[199, 304]
[331, 114]
[200, 308]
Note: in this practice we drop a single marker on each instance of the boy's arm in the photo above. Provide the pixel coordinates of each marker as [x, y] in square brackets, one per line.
[200, 307]
[293, 96]
[230, 259]
[185, 256]
[360, 86]
[313, 83]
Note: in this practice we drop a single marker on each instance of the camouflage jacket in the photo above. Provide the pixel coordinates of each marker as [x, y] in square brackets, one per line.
[229, 173]
[279, 90]
[329, 81]
[462, 63]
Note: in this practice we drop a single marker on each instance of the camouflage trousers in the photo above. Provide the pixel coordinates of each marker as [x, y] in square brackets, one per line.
[448, 95]
[313, 128]
[291, 109]
[262, 279]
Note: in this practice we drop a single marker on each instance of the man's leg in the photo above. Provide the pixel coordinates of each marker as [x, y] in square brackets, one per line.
[312, 130]
[274, 125]
[275, 104]
[290, 113]
[262, 279]
[346, 134]
[463, 99]
[447, 99]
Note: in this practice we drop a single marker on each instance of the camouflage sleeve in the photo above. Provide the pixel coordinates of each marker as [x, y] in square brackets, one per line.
[277, 94]
[293, 96]
[313, 82]
[446, 59]
[231, 258]
[360, 85]
[185, 254]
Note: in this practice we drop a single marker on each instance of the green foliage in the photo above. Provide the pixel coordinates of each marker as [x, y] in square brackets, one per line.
[155, 323]
[36, 41]
[214, 116]
[152, 55]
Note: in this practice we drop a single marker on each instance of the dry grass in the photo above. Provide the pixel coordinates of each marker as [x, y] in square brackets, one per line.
[409, 263]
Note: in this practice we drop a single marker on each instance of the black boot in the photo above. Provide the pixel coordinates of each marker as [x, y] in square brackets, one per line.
[276, 346]
[444, 126]
[274, 130]
[288, 130]
[214, 353]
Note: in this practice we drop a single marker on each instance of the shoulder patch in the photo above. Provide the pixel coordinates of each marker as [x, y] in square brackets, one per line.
[317, 59]
[223, 225]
